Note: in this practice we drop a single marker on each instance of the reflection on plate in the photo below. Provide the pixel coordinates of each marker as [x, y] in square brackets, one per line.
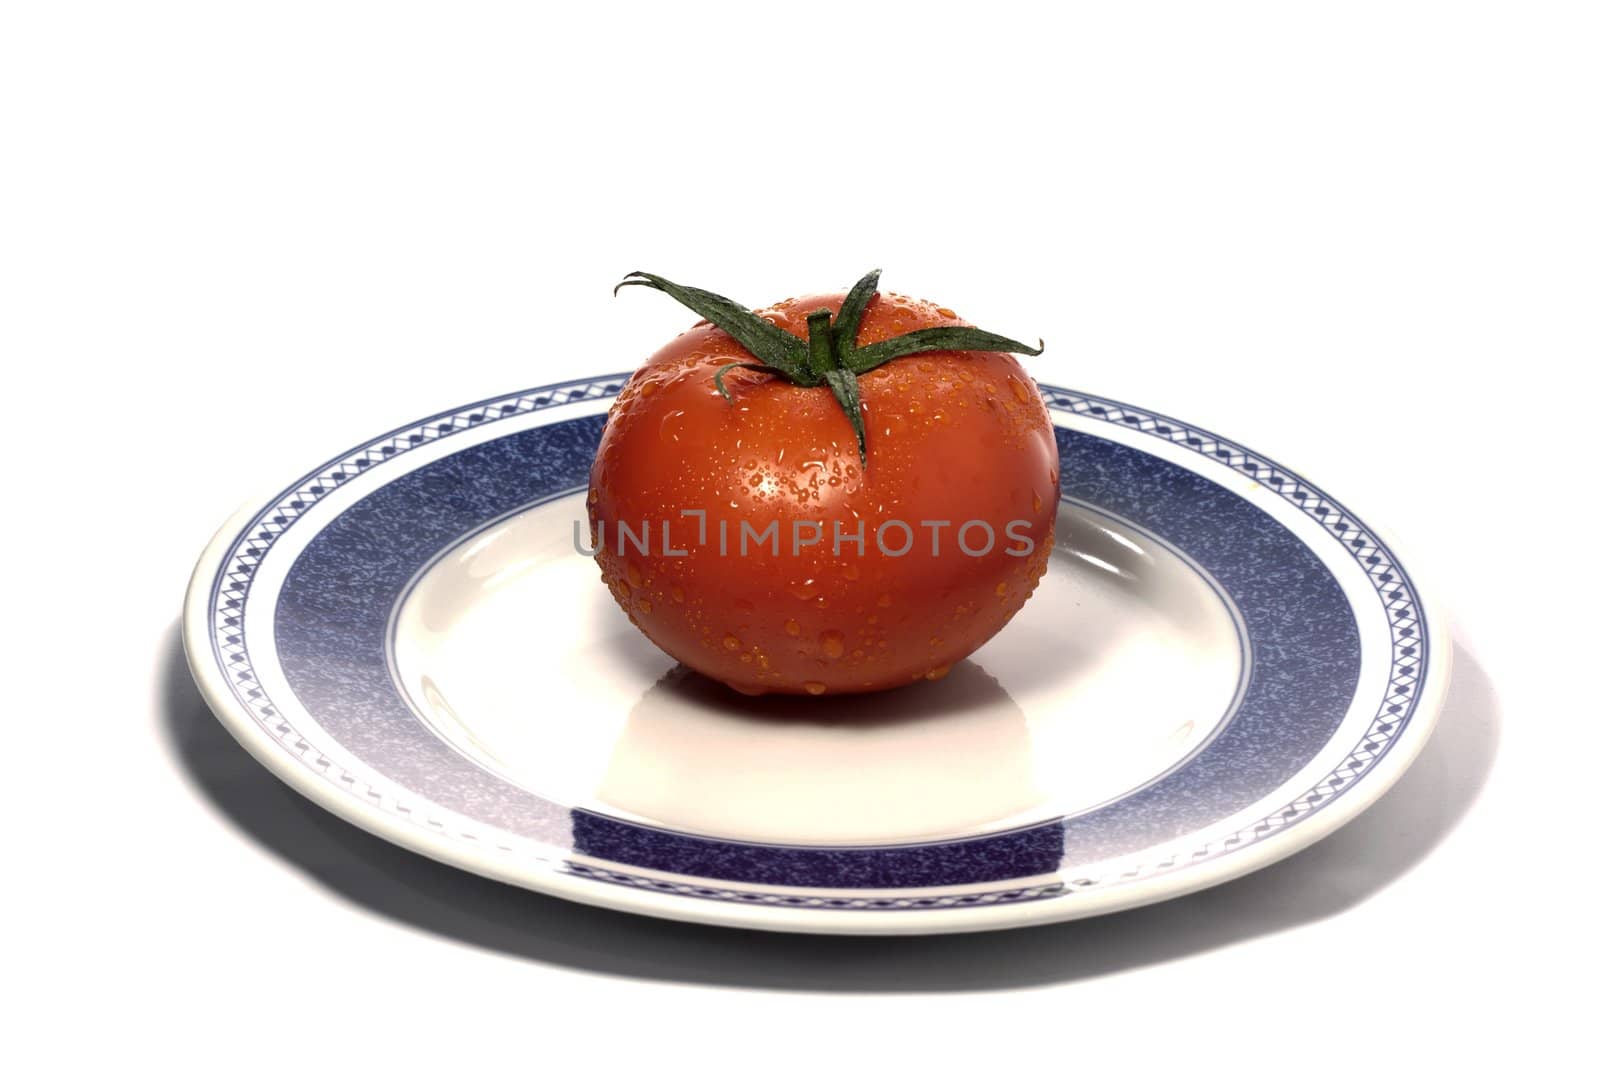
[1148, 665]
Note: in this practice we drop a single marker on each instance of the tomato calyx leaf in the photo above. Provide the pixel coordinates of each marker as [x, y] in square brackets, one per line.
[723, 389]
[936, 339]
[829, 355]
[850, 312]
[777, 348]
[847, 391]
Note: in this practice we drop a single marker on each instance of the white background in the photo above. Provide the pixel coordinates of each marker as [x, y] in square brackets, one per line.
[1361, 237]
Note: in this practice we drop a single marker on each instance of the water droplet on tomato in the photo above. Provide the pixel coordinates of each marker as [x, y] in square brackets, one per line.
[731, 643]
[816, 689]
[805, 590]
[672, 424]
[832, 642]
[792, 628]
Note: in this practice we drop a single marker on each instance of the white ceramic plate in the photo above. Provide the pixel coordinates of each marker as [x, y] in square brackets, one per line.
[1222, 665]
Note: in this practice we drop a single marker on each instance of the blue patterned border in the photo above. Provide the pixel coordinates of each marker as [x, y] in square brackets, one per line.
[231, 590]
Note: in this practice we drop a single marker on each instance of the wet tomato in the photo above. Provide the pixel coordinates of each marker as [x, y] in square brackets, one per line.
[791, 524]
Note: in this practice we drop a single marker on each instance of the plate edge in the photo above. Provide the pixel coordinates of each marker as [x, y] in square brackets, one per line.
[549, 879]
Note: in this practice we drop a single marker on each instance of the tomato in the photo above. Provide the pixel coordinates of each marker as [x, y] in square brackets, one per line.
[954, 506]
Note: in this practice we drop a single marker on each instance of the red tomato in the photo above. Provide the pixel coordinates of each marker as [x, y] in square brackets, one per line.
[962, 474]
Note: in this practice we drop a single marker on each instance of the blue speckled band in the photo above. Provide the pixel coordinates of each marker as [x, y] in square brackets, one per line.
[335, 604]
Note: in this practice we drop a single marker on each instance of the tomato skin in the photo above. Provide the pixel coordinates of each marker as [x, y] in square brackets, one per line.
[952, 437]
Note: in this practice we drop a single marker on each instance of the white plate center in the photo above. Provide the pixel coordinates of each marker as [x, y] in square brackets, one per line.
[1121, 666]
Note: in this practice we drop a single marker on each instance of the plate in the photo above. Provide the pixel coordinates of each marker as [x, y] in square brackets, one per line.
[1222, 665]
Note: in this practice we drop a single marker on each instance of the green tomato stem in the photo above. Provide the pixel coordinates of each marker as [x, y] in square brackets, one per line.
[829, 355]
